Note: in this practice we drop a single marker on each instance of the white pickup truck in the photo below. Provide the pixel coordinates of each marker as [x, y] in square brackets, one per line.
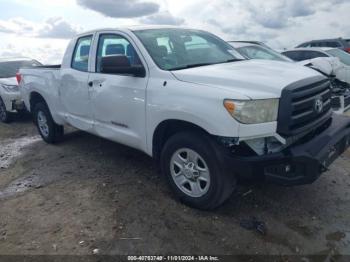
[186, 98]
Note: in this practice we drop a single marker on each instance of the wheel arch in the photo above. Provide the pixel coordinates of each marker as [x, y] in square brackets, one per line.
[35, 98]
[167, 129]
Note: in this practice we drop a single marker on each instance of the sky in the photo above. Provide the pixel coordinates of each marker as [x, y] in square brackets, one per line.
[41, 29]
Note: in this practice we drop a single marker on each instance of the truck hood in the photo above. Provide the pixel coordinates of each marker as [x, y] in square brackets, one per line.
[12, 81]
[256, 79]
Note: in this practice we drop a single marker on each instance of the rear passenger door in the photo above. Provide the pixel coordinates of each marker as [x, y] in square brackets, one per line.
[74, 91]
[118, 100]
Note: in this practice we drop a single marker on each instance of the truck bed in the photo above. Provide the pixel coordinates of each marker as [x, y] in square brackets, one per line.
[44, 80]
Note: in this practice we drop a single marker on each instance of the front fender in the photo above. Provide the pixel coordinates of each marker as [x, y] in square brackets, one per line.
[216, 127]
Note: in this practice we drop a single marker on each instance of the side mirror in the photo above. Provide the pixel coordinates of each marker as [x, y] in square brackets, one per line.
[120, 64]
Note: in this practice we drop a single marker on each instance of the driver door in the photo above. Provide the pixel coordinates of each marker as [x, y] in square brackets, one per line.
[118, 100]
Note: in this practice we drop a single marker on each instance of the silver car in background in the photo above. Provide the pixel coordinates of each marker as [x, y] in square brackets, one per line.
[10, 97]
[258, 50]
[341, 71]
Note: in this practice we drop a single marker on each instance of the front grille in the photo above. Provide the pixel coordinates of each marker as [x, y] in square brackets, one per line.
[347, 101]
[304, 105]
[336, 102]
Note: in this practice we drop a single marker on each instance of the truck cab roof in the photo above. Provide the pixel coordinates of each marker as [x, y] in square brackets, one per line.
[132, 28]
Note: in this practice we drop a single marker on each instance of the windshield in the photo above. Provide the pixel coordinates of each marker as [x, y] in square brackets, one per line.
[259, 52]
[174, 49]
[9, 69]
[342, 55]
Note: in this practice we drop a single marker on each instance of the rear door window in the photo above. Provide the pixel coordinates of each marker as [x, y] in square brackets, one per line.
[333, 44]
[80, 59]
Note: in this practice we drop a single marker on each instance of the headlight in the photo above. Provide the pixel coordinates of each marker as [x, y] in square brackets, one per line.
[10, 88]
[253, 111]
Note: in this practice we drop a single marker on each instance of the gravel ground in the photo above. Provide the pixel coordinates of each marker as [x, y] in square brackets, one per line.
[87, 193]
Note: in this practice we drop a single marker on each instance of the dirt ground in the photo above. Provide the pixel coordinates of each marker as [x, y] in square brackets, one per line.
[87, 193]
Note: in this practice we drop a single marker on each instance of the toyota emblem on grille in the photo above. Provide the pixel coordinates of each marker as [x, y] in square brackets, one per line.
[318, 106]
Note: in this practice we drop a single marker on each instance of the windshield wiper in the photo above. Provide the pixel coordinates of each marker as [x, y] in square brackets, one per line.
[191, 66]
[232, 60]
[204, 64]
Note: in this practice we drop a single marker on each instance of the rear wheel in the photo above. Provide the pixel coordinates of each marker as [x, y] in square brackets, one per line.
[5, 116]
[193, 171]
[48, 129]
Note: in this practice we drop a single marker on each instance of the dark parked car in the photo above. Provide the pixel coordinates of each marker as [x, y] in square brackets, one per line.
[340, 43]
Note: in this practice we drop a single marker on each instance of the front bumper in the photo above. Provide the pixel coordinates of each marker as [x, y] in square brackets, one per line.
[341, 104]
[13, 101]
[18, 105]
[300, 163]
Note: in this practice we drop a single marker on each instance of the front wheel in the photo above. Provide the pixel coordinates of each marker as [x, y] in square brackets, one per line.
[48, 129]
[193, 171]
[5, 116]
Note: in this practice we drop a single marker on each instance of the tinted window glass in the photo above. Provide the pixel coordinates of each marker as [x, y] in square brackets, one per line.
[321, 44]
[312, 54]
[315, 44]
[333, 44]
[294, 55]
[326, 44]
[115, 45]
[81, 54]
[9, 69]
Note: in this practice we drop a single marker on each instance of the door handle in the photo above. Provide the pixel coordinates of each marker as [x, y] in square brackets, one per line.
[96, 82]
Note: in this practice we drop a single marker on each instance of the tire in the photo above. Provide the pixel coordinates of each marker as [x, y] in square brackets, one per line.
[202, 181]
[50, 132]
[5, 116]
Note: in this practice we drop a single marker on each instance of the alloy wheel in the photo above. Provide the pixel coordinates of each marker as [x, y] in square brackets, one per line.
[42, 124]
[190, 172]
